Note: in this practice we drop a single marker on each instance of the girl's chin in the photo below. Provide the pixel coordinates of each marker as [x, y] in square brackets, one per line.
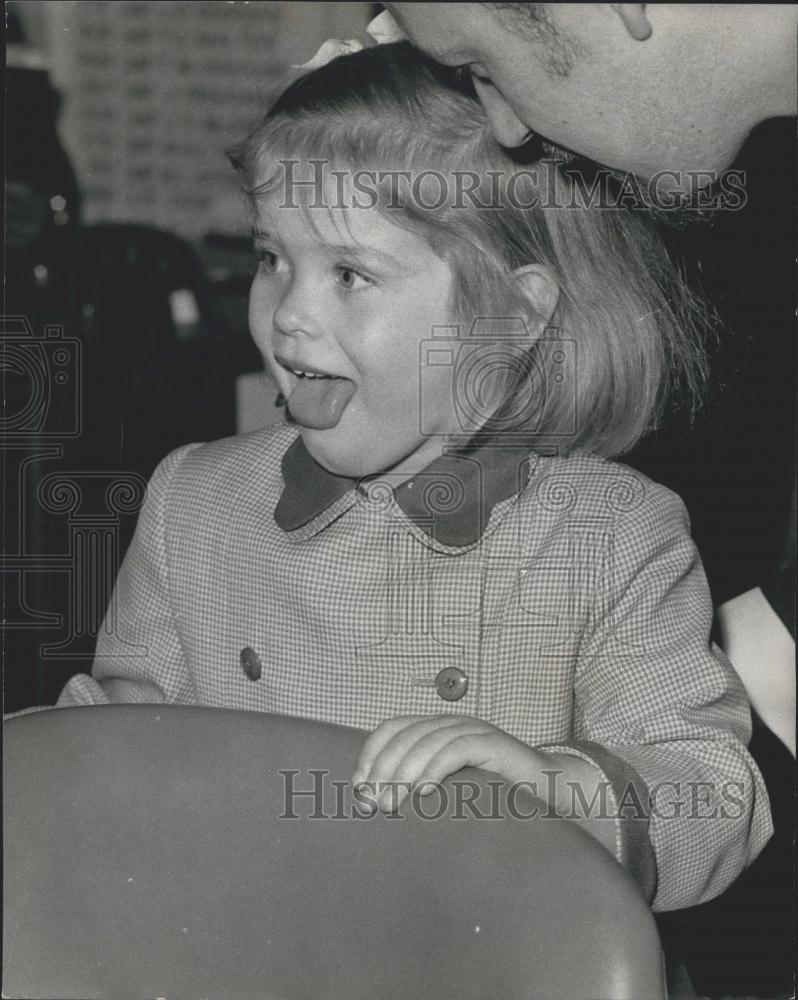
[353, 462]
[340, 461]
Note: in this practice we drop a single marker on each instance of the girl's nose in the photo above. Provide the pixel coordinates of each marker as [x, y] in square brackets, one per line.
[507, 127]
[295, 314]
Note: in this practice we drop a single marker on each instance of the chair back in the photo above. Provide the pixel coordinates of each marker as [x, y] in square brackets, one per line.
[162, 851]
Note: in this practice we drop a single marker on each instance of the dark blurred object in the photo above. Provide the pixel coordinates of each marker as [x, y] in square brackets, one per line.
[230, 265]
[42, 202]
[113, 355]
[742, 944]
[735, 467]
[156, 369]
[148, 373]
[40, 373]
[735, 471]
[744, 941]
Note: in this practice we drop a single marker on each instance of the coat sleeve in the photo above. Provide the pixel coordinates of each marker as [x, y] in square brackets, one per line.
[664, 715]
[139, 656]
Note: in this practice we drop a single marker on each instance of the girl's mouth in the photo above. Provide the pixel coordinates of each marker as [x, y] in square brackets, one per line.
[302, 373]
[318, 399]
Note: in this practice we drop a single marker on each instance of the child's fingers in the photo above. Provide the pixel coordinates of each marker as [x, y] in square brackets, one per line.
[404, 764]
[458, 749]
[390, 742]
[380, 738]
[467, 749]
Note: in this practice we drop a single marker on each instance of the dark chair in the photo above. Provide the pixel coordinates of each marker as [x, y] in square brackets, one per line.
[150, 852]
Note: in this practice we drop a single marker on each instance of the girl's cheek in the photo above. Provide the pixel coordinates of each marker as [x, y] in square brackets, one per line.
[256, 295]
[260, 322]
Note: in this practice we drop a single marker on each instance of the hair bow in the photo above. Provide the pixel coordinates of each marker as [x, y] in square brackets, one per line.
[381, 30]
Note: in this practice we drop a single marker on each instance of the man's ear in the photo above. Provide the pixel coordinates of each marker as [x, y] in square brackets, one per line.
[634, 19]
[540, 288]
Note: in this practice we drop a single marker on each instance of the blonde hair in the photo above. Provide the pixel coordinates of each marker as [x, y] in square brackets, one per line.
[635, 324]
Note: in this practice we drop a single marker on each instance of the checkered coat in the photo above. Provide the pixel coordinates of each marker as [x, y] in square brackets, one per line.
[580, 615]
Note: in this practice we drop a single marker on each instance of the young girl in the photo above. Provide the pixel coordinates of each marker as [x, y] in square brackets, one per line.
[434, 546]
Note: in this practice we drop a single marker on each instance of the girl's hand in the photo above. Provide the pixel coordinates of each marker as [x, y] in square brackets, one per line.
[408, 750]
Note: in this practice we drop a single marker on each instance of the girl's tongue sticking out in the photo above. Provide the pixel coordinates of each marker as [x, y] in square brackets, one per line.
[318, 401]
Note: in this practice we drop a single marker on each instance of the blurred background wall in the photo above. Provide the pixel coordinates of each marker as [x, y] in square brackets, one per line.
[154, 92]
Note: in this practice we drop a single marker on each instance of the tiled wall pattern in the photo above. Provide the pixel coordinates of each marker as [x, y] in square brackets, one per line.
[155, 91]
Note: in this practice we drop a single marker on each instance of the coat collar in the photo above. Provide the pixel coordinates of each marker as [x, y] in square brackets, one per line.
[451, 500]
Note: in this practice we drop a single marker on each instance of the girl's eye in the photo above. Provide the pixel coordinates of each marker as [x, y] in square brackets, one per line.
[352, 280]
[478, 72]
[268, 261]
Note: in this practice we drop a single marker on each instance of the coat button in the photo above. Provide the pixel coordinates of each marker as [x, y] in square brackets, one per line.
[451, 684]
[250, 663]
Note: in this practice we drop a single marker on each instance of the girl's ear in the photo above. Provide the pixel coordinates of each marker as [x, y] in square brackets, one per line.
[540, 288]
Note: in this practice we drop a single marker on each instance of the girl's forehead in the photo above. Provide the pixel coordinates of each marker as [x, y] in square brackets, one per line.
[321, 223]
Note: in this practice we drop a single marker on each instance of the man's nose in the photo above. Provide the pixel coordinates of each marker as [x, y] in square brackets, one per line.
[507, 127]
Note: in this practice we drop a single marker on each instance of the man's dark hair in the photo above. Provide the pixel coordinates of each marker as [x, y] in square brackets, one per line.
[533, 21]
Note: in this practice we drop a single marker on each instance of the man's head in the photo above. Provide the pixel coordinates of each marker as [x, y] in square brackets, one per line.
[637, 87]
